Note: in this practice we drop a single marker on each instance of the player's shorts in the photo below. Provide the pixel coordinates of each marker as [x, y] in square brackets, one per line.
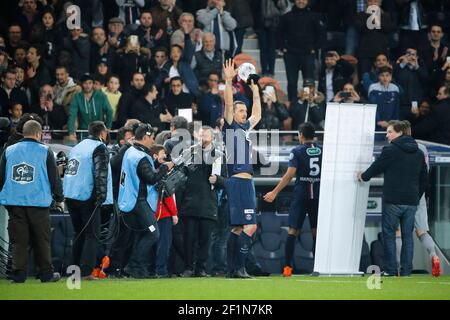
[242, 201]
[302, 204]
[421, 218]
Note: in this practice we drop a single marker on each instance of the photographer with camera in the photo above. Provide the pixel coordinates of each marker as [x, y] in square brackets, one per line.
[200, 200]
[348, 94]
[87, 186]
[138, 199]
[54, 115]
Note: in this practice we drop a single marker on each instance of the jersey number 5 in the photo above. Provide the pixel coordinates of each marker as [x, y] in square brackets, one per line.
[314, 168]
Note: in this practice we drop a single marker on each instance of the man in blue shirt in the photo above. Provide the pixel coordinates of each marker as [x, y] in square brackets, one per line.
[305, 162]
[239, 186]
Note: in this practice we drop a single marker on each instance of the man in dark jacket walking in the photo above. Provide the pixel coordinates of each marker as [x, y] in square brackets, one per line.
[199, 205]
[405, 174]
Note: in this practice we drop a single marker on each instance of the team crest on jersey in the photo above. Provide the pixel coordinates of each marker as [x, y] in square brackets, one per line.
[291, 156]
[72, 167]
[313, 151]
[248, 214]
[23, 173]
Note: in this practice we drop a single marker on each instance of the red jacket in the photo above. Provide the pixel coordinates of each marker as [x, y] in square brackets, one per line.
[168, 208]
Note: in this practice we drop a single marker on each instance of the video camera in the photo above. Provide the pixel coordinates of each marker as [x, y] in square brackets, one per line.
[177, 177]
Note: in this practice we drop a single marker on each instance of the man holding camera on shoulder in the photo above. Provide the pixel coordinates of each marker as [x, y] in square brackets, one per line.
[138, 199]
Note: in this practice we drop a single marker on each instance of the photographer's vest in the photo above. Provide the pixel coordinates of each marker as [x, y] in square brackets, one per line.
[129, 181]
[78, 181]
[26, 181]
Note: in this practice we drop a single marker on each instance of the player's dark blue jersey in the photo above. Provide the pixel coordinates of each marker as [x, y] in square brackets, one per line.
[307, 159]
[237, 142]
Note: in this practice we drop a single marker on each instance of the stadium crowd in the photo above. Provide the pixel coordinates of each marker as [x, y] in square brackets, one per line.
[148, 61]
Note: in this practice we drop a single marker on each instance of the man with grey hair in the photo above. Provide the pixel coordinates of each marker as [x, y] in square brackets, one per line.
[208, 59]
[188, 37]
[28, 187]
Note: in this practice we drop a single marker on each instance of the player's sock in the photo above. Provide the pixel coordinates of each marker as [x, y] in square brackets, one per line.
[398, 245]
[428, 243]
[289, 250]
[244, 241]
[231, 251]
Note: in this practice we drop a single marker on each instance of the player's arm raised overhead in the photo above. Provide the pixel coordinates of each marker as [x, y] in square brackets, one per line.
[256, 109]
[229, 73]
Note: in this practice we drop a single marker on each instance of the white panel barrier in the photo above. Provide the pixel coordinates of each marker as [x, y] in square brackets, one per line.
[347, 149]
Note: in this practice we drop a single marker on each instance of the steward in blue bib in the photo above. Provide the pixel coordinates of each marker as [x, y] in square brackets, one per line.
[29, 182]
[30, 176]
[138, 199]
[80, 176]
[87, 186]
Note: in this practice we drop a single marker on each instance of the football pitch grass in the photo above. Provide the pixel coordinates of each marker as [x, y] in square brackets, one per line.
[421, 287]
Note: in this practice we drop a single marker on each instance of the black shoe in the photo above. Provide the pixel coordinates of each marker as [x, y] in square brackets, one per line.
[218, 274]
[187, 273]
[260, 273]
[229, 275]
[201, 274]
[51, 277]
[18, 277]
[162, 276]
[241, 274]
[385, 274]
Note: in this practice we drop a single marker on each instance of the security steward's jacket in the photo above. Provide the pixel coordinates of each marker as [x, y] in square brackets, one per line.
[100, 158]
[49, 165]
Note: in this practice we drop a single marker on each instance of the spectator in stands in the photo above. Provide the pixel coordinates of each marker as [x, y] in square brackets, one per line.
[87, 106]
[335, 73]
[308, 107]
[150, 37]
[372, 41]
[116, 36]
[129, 97]
[15, 113]
[187, 37]
[435, 53]
[37, 73]
[65, 88]
[124, 135]
[28, 16]
[53, 115]
[50, 37]
[413, 24]
[412, 77]
[166, 16]
[386, 96]
[265, 25]
[102, 71]
[14, 38]
[100, 49]
[371, 77]
[301, 32]
[20, 78]
[273, 112]
[218, 21]
[20, 56]
[199, 205]
[241, 11]
[419, 114]
[133, 58]
[129, 10]
[347, 95]
[79, 46]
[10, 95]
[211, 103]
[161, 57]
[207, 60]
[113, 94]
[178, 68]
[177, 99]
[148, 109]
[436, 125]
